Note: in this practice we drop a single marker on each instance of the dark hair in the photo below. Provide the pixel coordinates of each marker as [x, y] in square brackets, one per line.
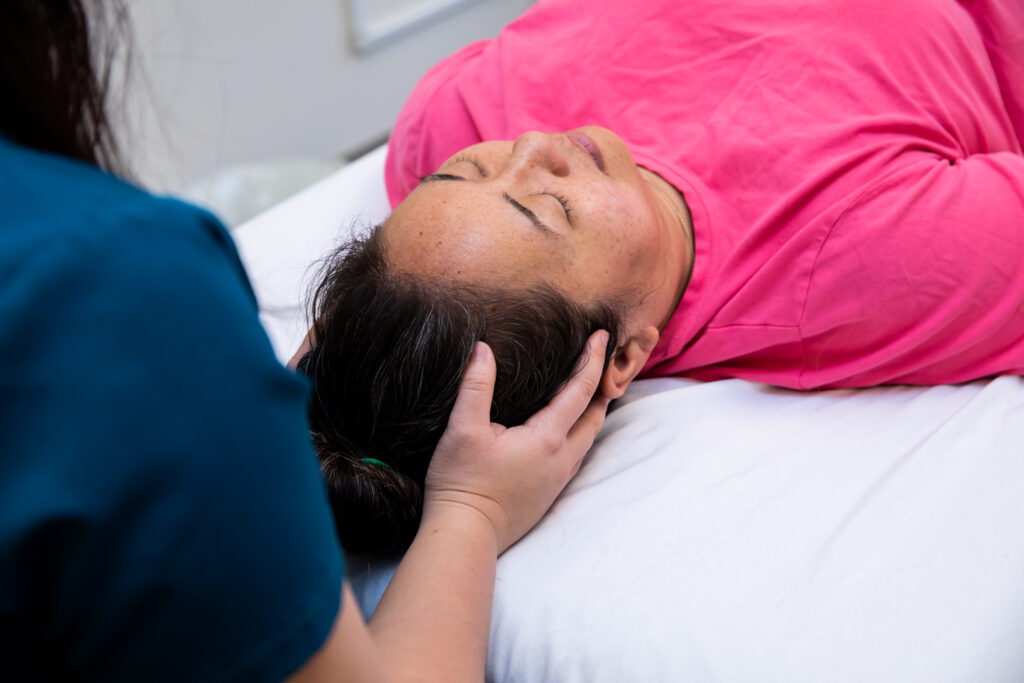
[56, 66]
[390, 350]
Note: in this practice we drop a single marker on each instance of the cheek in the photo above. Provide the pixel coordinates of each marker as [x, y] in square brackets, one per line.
[625, 231]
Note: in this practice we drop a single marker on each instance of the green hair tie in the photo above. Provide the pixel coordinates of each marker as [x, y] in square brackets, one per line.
[375, 461]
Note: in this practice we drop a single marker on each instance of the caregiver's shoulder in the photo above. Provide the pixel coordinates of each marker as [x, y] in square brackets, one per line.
[54, 204]
[114, 298]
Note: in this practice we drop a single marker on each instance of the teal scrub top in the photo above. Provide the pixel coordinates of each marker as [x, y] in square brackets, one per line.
[162, 516]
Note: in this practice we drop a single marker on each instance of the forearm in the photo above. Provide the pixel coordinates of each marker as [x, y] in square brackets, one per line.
[487, 486]
[433, 621]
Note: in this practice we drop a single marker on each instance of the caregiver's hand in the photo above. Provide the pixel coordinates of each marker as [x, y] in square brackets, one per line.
[485, 488]
[511, 476]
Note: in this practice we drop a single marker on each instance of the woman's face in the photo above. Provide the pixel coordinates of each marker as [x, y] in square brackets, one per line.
[572, 210]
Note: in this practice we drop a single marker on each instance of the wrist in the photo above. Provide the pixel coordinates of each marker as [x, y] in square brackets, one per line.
[460, 523]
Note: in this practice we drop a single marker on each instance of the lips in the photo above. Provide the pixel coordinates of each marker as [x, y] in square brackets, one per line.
[588, 145]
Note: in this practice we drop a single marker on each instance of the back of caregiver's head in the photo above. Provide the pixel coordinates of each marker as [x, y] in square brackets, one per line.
[388, 354]
[55, 69]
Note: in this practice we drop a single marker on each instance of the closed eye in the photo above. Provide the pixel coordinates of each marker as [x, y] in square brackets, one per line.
[537, 222]
[565, 205]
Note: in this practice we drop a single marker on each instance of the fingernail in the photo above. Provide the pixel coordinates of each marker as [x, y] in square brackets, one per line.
[602, 338]
[479, 351]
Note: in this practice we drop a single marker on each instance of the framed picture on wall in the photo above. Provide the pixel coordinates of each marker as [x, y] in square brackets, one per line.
[377, 22]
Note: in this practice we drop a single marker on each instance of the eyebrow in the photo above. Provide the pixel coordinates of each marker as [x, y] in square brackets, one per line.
[537, 222]
[541, 225]
[436, 177]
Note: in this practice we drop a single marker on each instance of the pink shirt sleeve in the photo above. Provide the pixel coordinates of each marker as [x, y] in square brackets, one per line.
[922, 281]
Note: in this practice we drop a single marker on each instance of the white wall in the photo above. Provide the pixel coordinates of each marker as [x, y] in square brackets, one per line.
[223, 82]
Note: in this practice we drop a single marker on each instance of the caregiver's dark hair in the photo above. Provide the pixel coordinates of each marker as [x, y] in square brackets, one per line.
[390, 350]
[56, 63]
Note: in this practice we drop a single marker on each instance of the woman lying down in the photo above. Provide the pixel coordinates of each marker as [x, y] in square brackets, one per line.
[816, 194]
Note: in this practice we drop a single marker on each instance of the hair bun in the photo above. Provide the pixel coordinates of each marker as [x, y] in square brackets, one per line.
[376, 507]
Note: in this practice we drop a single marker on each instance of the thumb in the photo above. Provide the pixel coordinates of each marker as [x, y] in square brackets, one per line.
[473, 404]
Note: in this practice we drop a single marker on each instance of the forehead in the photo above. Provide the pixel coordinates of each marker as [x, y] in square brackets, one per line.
[486, 148]
[462, 231]
[470, 210]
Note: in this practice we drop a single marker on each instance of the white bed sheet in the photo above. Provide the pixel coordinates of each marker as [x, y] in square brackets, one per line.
[734, 532]
[282, 246]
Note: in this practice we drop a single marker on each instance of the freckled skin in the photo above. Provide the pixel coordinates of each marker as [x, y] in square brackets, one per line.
[628, 234]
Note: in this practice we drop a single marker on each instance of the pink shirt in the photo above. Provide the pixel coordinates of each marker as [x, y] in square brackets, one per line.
[854, 169]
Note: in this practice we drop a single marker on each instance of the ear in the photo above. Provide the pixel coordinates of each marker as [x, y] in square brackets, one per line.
[304, 347]
[628, 361]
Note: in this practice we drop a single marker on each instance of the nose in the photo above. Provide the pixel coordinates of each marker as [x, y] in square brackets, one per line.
[535, 150]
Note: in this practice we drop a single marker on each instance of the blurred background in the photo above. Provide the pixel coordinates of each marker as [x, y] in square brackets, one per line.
[237, 104]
